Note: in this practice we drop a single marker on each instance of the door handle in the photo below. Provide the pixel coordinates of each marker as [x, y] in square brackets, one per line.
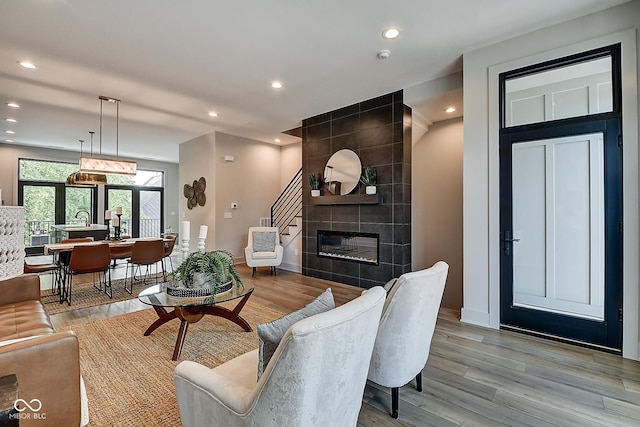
[507, 240]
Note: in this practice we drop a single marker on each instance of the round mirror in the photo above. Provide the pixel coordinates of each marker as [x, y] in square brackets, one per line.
[342, 172]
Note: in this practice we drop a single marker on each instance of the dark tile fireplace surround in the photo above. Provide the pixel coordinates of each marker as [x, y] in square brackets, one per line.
[379, 131]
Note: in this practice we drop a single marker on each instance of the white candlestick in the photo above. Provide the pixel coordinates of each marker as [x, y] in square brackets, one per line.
[185, 230]
[107, 214]
[185, 248]
[201, 245]
[119, 210]
[116, 222]
[203, 232]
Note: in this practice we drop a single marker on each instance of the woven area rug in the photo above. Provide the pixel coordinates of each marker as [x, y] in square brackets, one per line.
[129, 377]
[86, 295]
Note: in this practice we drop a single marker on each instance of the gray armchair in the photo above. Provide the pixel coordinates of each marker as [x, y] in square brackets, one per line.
[406, 328]
[316, 376]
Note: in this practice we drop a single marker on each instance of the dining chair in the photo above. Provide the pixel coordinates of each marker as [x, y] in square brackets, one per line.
[120, 252]
[89, 259]
[169, 244]
[63, 257]
[144, 253]
[44, 264]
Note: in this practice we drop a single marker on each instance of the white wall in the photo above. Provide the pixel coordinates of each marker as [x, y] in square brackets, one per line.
[9, 155]
[480, 179]
[252, 181]
[436, 204]
[197, 160]
[290, 161]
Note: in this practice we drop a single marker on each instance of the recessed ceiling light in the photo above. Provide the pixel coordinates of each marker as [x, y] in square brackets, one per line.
[450, 109]
[276, 85]
[27, 64]
[277, 140]
[213, 114]
[8, 140]
[11, 120]
[13, 105]
[391, 33]
[10, 132]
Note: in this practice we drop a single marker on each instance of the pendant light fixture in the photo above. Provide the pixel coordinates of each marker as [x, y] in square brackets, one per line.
[85, 179]
[105, 165]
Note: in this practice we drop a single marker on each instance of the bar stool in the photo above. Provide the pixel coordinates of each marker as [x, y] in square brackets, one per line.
[144, 253]
[89, 259]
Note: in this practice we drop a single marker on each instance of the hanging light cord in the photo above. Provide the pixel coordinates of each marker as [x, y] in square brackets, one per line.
[117, 126]
[101, 100]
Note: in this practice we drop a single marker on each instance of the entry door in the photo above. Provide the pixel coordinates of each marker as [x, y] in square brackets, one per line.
[561, 198]
[560, 225]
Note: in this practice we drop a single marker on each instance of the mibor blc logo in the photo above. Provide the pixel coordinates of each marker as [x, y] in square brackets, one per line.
[34, 406]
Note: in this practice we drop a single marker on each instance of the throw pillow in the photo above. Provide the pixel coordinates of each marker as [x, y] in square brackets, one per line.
[264, 241]
[270, 334]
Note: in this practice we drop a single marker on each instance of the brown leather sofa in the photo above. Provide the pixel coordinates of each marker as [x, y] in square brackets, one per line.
[46, 363]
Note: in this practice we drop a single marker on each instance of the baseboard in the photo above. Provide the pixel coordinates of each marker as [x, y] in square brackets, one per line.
[295, 268]
[474, 317]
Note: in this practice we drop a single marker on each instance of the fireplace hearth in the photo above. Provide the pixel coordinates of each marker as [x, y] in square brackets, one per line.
[349, 246]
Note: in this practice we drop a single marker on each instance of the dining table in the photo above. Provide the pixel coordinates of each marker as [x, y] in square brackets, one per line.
[120, 249]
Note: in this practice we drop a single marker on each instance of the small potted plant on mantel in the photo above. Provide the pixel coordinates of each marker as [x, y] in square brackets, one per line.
[369, 178]
[314, 182]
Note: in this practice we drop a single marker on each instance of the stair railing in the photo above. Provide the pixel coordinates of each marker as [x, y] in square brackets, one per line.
[288, 205]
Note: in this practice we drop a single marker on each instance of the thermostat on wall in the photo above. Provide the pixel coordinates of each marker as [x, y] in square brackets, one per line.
[229, 158]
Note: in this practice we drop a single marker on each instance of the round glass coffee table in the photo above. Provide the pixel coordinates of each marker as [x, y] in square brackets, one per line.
[192, 309]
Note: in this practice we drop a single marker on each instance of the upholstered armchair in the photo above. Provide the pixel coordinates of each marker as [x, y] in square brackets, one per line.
[316, 377]
[406, 328]
[263, 248]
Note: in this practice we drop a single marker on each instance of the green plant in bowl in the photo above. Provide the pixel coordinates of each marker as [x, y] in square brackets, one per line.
[214, 268]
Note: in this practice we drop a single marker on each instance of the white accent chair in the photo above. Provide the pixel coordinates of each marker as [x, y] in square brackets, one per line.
[406, 328]
[263, 249]
[316, 376]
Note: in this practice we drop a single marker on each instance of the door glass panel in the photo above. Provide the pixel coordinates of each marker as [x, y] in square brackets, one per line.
[77, 200]
[579, 89]
[122, 198]
[39, 214]
[150, 211]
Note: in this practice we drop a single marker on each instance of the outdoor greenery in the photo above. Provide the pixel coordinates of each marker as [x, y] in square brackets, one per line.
[39, 200]
[48, 178]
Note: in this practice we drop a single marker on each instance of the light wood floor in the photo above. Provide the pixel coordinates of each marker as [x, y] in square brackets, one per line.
[474, 376]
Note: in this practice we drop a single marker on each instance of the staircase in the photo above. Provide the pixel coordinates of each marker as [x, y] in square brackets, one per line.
[286, 214]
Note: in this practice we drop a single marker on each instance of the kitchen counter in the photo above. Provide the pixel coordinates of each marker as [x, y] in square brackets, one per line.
[73, 231]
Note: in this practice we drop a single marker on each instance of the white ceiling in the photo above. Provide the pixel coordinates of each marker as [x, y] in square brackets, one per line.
[171, 62]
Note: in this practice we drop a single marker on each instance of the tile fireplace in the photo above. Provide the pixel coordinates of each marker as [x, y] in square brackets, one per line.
[346, 238]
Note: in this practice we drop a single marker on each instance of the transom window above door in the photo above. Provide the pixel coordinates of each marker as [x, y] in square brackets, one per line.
[563, 89]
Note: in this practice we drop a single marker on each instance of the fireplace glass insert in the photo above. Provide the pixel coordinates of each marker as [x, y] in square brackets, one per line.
[349, 246]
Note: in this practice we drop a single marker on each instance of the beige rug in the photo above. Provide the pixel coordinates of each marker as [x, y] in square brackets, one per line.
[86, 295]
[129, 377]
